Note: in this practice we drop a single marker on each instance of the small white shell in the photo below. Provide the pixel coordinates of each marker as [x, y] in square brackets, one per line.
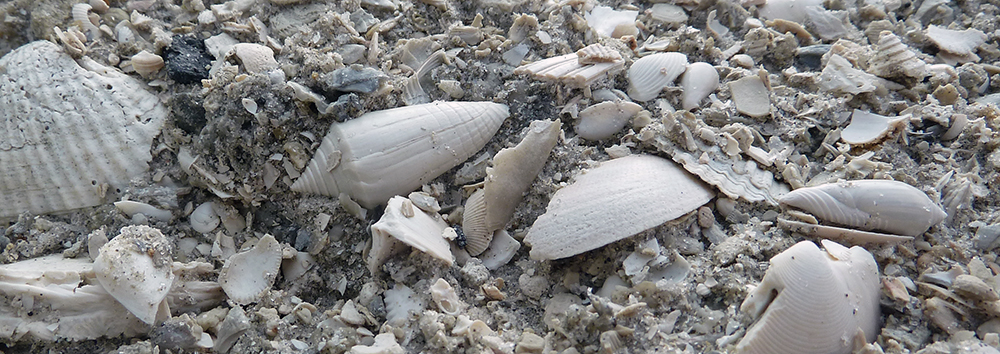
[135, 268]
[751, 96]
[474, 225]
[649, 75]
[247, 275]
[894, 59]
[602, 206]
[204, 219]
[889, 206]
[146, 63]
[813, 301]
[445, 297]
[790, 10]
[81, 16]
[501, 250]
[596, 53]
[699, 81]
[961, 44]
[603, 120]
[423, 231]
[607, 22]
[567, 69]
[867, 128]
[255, 58]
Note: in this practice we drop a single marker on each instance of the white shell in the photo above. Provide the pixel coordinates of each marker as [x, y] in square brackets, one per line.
[247, 275]
[474, 225]
[650, 74]
[962, 44]
[568, 69]
[606, 21]
[255, 58]
[46, 164]
[132, 208]
[204, 219]
[867, 128]
[839, 75]
[883, 205]
[393, 152]
[603, 120]
[790, 10]
[423, 231]
[751, 96]
[814, 301]
[502, 249]
[146, 63]
[699, 81]
[596, 53]
[385, 343]
[445, 297]
[603, 205]
[894, 59]
[134, 267]
[81, 16]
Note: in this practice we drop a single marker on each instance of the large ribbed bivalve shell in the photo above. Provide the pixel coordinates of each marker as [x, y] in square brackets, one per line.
[615, 200]
[68, 130]
[393, 152]
[813, 301]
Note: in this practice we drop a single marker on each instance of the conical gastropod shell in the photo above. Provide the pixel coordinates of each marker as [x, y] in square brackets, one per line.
[135, 268]
[392, 152]
[651, 74]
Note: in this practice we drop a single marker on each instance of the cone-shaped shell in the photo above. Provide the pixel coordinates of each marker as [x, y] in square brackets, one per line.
[135, 268]
[393, 152]
[615, 200]
[882, 205]
[649, 75]
[813, 301]
[699, 81]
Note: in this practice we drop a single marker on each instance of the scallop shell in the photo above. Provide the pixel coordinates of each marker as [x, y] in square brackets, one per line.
[814, 301]
[247, 275]
[423, 231]
[602, 205]
[883, 205]
[652, 73]
[135, 268]
[699, 80]
[603, 120]
[894, 59]
[393, 152]
[445, 297]
[58, 158]
[474, 225]
[867, 128]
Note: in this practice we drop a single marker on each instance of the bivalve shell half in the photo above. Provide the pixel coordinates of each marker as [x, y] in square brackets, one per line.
[751, 96]
[699, 81]
[603, 120]
[813, 301]
[255, 58]
[615, 200]
[651, 74]
[146, 63]
[135, 268]
[247, 275]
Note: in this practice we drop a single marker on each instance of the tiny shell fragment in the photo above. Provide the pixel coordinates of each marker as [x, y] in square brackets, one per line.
[750, 96]
[422, 231]
[255, 58]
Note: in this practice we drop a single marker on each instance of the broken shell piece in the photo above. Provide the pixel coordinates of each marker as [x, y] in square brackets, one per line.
[960, 44]
[603, 120]
[652, 73]
[146, 63]
[894, 59]
[600, 207]
[204, 219]
[699, 81]
[851, 236]
[445, 297]
[867, 128]
[134, 267]
[751, 96]
[501, 251]
[393, 152]
[568, 70]
[839, 75]
[790, 10]
[607, 22]
[385, 343]
[883, 205]
[813, 301]
[132, 209]
[247, 275]
[422, 231]
[255, 58]
[596, 53]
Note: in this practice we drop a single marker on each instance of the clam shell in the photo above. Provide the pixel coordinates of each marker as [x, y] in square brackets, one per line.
[474, 225]
[568, 69]
[247, 275]
[393, 152]
[255, 58]
[650, 74]
[813, 301]
[867, 128]
[602, 206]
[146, 63]
[423, 231]
[603, 120]
[883, 205]
[699, 81]
[58, 158]
[135, 268]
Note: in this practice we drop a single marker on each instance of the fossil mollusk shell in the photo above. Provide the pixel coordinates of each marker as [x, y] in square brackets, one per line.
[961, 45]
[883, 205]
[568, 69]
[603, 120]
[596, 53]
[146, 63]
[445, 297]
[247, 275]
[255, 58]
[393, 152]
[601, 206]
[894, 59]
[699, 80]
[813, 301]
[135, 268]
[650, 74]
[790, 10]
[751, 96]
[64, 156]
[867, 128]
[402, 221]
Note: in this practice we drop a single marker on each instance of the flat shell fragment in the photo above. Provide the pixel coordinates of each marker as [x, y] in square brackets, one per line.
[867, 128]
[247, 275]
[569, 70]
[135, 268]
[751, 96]
[255, 58]
[960, 44]
[652, 73]
[615, 200]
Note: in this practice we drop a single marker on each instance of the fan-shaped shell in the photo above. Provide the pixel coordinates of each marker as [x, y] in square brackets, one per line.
[883, 205]
[813, 301]
[615, 200]
[135, 268]
[393, 152]
[649, 75]
[699, 81]
[477, 233]
[60, 149]
[247, 275]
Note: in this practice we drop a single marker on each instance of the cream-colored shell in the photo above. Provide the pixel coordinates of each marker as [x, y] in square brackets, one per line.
[421, 230]
[894, 59]
[603, 120]
[445, 297]
[597, 53]
[813, 301]
[867, 128]
[255, 58]
[699, 81]
[652, 73]
[134, 267]
[960, 43]
[46, 163]
[146, 63]
[247, 275]
[751, 96]
[568, 69]
[615, 200]
[393, 152]
[204, 219]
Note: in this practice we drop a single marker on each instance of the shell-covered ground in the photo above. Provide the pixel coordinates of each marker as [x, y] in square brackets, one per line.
[252, 136]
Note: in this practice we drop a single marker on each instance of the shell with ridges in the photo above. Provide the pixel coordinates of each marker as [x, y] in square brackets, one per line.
[247, 275]
[699, 80]
[474, 225]
[568, 69]
[146, 63]
[651, 74]
[894, 59]
[596, 53]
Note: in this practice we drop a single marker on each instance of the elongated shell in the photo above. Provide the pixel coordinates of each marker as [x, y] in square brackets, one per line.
[135, 268]
[615, 200]
[649, 75]
[813, 301]
[699, 81]
[889, 206]
[392, 152]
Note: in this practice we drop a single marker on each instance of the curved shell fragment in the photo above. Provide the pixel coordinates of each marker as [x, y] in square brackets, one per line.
[247, 275]
[603, 120]
[652, 73]
[868, 128]
[423, 231]
[146, 63]
[961, 44]
[255, 58]
[135, 268]
[751, 96]
[204, 219]
[699, 81]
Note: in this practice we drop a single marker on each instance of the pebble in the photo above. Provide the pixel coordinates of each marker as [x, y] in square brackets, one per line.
[186, 60]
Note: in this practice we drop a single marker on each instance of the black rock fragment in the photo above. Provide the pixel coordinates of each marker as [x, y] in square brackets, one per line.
[188, 112]
[186, 60]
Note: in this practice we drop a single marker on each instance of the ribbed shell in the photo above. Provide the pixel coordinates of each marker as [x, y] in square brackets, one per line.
[883, 205]
[699, 81]
[822, 299]
[615, 200]
[649, 75]
[66, 130]
[477, 233]
[247, 275]
[568, 69]
[894, 59]
[393, 152]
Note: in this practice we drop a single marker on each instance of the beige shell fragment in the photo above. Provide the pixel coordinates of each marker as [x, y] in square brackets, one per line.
[652, 73]
[255, 58]
[699, 80]
[961, 44]
[814, 301]
[868, 128]
[445, 297]
[603, 120]
[46, 100]
[597, 53]
[247, 275]
[423, 231]
[146, 63]
[568, 69]
[615, 200]
[751, 96]
[894, 59]
[135, 268]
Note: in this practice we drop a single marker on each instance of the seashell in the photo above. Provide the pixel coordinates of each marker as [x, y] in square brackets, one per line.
[596, 53]
[135, 268]
[445, 297]
[474, 225]
[789, 10]
[960, 44]
[132, 209]
[567, 69]
[840, 76]
[384, 343]
[610, 23]
[400, 302]
[255, 58]
[652, 73]
[501, 250]
[894, 59]
[603, 120]
[867, 128]
[415, 52]
[231, 328]
[354, 78]
[46, 164]
[423, 231]
[391, 152]
[668, 13]
[100, 6]
[883, 205]
[413, 91]
[814, 301]
[146, 63]
[523, 25]
[751, 96]
[600, 207]
[699, 80]
[247, 275]
[81, 16]
[204, 219]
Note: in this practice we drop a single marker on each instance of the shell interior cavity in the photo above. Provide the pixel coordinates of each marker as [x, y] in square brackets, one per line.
[445, 297]
[247, 275]
[402, 222]
[603, 205]
[603, 120]
[883, 205]
[699, 80]
[66, 155]
[135, 268]
[813, 301]
[867, 128]
[652, 73]
[393, 152]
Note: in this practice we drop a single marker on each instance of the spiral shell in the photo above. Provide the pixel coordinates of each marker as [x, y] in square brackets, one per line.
[651, 74]
[894, 59]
